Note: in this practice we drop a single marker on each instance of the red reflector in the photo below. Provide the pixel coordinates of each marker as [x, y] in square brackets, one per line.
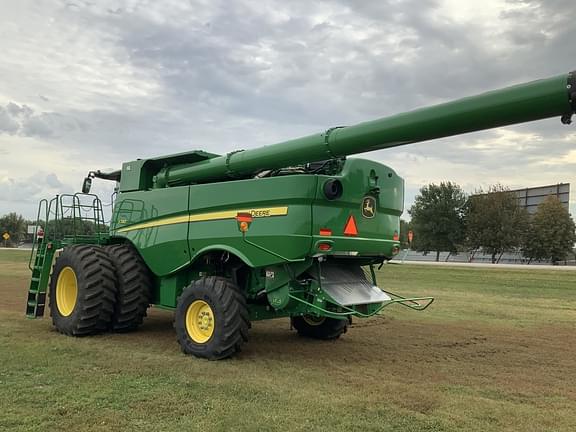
[350, 229]
[324, 247]
[325, 232]
[396, 237]
[244, 217]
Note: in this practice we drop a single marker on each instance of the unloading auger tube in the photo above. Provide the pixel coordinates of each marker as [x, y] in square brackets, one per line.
[535, 100]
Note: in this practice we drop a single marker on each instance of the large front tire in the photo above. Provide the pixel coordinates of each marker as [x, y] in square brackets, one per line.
[319, 327]
[82, 290]
[134, 289]
[211, 319]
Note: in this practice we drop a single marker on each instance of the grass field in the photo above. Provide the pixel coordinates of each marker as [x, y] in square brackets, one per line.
[495, 352]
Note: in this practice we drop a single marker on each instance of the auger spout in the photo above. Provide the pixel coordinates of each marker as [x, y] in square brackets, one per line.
[521, 103]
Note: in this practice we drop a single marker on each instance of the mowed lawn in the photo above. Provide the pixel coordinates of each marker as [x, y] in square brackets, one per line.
[496, 351]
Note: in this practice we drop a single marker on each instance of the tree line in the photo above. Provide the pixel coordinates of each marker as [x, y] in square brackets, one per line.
[17, 227]
[445, 219]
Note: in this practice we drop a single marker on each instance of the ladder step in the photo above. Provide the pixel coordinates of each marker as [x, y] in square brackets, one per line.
[32, 304]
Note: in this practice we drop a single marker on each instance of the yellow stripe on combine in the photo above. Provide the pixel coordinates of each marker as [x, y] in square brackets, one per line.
[160, 222]
[203, 217]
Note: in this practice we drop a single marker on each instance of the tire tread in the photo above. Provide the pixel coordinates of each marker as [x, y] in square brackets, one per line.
[134, 291]
[96, 290]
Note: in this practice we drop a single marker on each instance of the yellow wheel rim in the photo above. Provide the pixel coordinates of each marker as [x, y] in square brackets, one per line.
[313, 320]
[200, 321]
[66, 291]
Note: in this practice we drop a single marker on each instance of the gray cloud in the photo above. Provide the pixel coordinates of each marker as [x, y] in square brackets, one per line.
[242, 74]
[16, 119]
[32, 189]
[225, 66]
[53, 182]
[7, 123]
[234, 61]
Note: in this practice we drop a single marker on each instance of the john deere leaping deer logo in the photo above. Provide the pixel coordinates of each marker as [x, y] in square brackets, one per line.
[369, 207]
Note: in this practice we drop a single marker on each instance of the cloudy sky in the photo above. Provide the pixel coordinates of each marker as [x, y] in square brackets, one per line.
[89, 84]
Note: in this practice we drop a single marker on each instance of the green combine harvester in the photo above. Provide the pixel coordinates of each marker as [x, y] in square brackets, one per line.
[293, 229]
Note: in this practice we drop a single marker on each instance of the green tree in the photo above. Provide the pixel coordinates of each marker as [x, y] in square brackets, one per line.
[404, 228]
[437, 218]
[495, 221]
[70, 227]
[15, 225]
[551, 235]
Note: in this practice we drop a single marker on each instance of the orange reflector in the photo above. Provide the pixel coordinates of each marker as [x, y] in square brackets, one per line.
[350, 229]
[244, 220]
[244, 217]
[324, 247]
[325, 232]
[396, 237]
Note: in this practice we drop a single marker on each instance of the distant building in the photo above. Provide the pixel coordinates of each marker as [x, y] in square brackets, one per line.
[530, 198]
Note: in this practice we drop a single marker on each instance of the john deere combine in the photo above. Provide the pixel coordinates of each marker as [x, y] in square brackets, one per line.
[288, 230]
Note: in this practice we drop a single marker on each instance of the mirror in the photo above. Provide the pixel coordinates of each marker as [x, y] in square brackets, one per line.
[86, 185]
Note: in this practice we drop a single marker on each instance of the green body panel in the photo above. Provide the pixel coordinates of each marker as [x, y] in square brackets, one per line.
[288, 235]
[360, 178]
[174, 227]
[169, 288]
[163, 247]
[139, 174]
[134, 176]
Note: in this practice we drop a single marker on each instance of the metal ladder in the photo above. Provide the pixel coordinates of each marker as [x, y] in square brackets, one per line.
[36, 302]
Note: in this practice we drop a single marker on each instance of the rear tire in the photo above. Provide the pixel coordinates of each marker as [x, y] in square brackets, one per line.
[319, 327]
[82, 291]
[211, 319]
[134, 288]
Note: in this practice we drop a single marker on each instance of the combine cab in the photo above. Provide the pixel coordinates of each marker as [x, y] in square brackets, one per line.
[294, 230]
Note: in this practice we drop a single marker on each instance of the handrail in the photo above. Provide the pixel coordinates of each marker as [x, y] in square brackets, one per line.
[67, 206]
[34, 238]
